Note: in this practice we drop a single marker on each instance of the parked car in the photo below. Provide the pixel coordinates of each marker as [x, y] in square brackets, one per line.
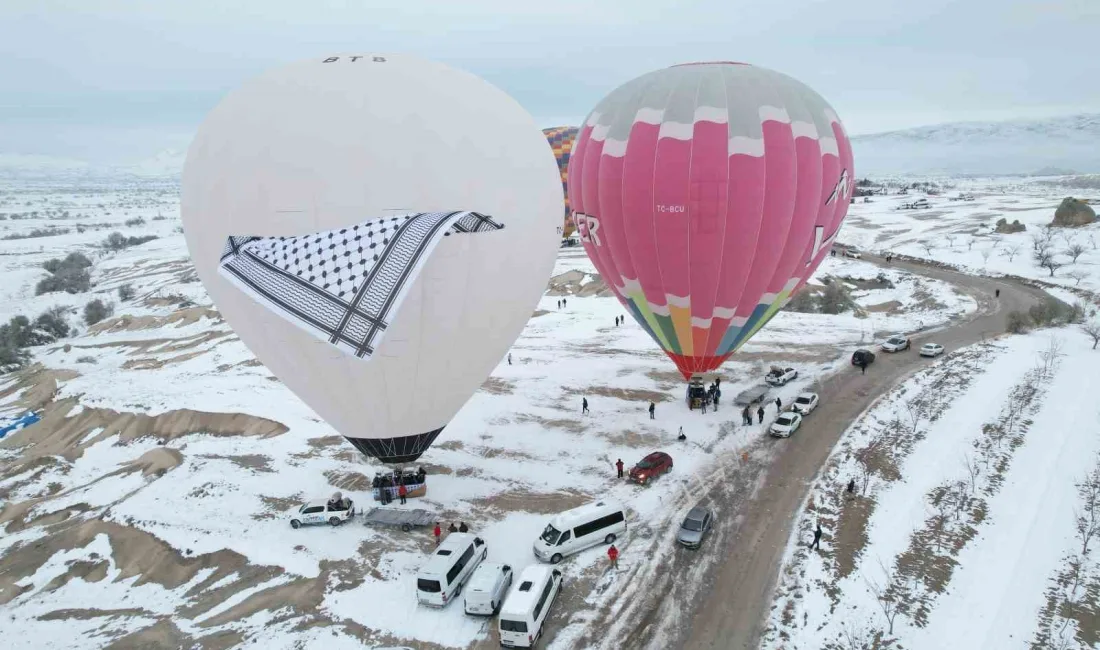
[852, 252]
[805, 403]
[780, 376]
[333, 511]
[896, 343]
[695, 527]
[651, 466]
[487, 588]
[931, 350]
[786, 424]
[863, 357]
[582, 527]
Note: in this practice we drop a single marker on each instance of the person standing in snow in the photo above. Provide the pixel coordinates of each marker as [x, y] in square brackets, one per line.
[760, 414]
[817, 537]
[402, 492]
[619, 466]
[463, 528]
[564, 303]
[509, 358]
[452, 528]
[778, 404]
[746, 416]
[703, 403]
[437, 532]
[584, 405]
[613, 555]
[681, 437]
[997, 293]
[863, 367]
[652, 409]
[559, 304]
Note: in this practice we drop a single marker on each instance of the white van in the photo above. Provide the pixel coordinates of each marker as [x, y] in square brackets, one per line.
[456, 557]
[487, 588]
[527, 606]
[577, 529]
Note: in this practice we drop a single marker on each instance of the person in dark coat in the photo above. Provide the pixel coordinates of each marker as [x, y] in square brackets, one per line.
[652, 409]
[703, 404]
[778, 404]
[817, 537]
[746, 416]
[509, 358]
[452, 528]
[681, 437]
[564, 303]
[760, 414]
[584, 405]
[619, 467]
[852, 486]
[463, 528]
[863, 367]
[997, 293]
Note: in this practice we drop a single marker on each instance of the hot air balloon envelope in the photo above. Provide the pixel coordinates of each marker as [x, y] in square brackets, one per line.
[706, 195]
[377, 229]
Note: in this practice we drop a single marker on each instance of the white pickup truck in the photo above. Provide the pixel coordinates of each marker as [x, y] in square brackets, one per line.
[333, 512]
[779, 376]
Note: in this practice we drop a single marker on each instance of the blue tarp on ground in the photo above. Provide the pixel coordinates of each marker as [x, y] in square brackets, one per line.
[22, 422]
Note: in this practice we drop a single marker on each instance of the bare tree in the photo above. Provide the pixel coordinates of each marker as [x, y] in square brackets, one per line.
[1073, 251]
[1092, 240]
[1092, 328]
[886, 599]
[950, 237]
[1088, 518]
[915, 407]
[1012, 251]
[1052, 355]
[928, 247]
[1077, 275]
[1046, 259]
[1068, 236]
[972, 473]
[985, 253]
[1040, 240]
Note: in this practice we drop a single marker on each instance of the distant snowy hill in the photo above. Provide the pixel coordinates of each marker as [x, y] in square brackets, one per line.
[1013, 147]
[35, 165]
[166, 163]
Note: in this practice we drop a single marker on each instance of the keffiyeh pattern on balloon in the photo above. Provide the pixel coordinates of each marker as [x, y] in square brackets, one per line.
[343, 286]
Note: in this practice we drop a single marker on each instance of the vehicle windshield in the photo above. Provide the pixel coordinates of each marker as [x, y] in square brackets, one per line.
[693, 524]
[644, 464]
[550, 535]
[513, 626]
[430, 586]
[897, 340]
[931, 346]
[802, 400]
[783, 420]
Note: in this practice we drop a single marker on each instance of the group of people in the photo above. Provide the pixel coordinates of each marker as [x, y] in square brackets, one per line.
[711, 396]
[619, 320]
[746, 413]
[561, 303]
[385, 482]
[460, 528]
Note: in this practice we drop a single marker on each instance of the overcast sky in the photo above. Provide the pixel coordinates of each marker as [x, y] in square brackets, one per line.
[118, 80]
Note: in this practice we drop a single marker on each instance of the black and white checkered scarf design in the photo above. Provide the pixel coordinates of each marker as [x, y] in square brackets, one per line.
[343, 286]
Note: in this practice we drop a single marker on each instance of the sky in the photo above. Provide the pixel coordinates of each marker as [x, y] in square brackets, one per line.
[121, 80]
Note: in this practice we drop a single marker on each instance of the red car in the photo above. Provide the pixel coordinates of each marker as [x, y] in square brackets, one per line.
[651, 466]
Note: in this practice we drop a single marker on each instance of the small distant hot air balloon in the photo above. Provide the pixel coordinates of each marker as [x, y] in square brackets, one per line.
[561, 141]
[706, 194]
[377, 229]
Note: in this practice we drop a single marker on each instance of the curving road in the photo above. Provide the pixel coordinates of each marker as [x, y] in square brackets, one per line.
[720, 597]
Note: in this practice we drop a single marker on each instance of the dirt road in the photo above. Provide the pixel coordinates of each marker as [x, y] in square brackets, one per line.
[720, 597]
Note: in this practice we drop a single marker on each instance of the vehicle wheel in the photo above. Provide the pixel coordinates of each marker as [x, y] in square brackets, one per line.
[334, 521]
[294, 523]
[406, 528]
[555, 558]
[610, 539]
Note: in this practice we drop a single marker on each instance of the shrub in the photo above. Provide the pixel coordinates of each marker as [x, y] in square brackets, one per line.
[835, 299]
[136, 221]
[72, 260]
[67, 279]
[116, 241]
[1017, 322]
[85, 360]
[38, 232]
[159, 217]
[803, 302]
[53, 321]
[96, 311]
[11, 358]
[126, 292]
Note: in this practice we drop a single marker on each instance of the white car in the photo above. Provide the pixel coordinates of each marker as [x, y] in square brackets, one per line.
[853, 252]
[896, 343]
[786, 424]
[487, 588]
[333, 512]
[780, 376]
[931, 350]
[805, 403]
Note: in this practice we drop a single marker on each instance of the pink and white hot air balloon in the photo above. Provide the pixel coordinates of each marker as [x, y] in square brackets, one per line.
[706, 195]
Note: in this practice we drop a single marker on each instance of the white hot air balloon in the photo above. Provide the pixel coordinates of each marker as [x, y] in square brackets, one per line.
[377, 229]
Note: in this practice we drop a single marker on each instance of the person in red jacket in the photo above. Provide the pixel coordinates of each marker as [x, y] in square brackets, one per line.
[402, 492]
[613, 555]
[619, 466]
[437, 532]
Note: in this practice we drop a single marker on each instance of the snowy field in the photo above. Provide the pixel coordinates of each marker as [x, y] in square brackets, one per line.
[151, 503]
[974, 509]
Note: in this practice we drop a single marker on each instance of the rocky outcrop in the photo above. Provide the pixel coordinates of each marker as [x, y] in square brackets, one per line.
[1006, 228]
[1072, 213]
